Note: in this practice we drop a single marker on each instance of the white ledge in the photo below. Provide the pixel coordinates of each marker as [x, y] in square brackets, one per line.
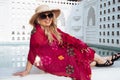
[102, 73]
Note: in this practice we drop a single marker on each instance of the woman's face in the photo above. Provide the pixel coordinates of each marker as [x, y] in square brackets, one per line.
[45, 19]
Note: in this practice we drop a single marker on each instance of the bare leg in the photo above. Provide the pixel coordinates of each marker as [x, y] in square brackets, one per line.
[93, 64]
[105, 61]
[100, 60]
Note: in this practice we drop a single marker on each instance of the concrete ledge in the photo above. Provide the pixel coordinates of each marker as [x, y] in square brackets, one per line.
[98, 73]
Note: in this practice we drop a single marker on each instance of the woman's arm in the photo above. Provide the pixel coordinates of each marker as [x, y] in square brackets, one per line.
[26, 71]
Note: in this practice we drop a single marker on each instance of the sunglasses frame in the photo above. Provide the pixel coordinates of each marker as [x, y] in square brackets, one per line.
[44, 15]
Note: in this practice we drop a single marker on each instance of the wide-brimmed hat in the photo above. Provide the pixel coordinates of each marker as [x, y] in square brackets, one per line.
[44, 8]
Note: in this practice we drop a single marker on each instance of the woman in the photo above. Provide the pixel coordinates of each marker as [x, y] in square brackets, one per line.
[58, 52]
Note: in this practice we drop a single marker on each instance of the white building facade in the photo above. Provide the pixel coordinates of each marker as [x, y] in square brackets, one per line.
[94, 21]
[15, 27]
[102, 22]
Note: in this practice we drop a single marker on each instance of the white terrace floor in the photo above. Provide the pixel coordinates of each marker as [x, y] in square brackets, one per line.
[104, 73]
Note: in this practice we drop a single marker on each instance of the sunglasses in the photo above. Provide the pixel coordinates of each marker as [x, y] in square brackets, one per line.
[44, 16]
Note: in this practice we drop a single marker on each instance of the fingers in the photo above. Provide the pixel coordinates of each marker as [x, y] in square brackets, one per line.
[20, 74]
[17, 74]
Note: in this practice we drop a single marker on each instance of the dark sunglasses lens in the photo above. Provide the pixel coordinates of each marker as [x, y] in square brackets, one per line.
[50, 15]
[43, 16]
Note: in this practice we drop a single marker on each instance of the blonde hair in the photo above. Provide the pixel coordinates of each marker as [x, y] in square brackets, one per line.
[49, 31]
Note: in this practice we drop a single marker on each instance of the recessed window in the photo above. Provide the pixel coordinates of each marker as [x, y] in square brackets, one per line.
[113, 17]
[13, 32]
[108, 25]
[103, 40]
[108, 2]
[112, 40]
[104, 11]
[113, 1]
[118, 16]
[118, 25]
[118, 8]
[104, 19]
[104, 33]
[108, 33]
[108, 10]
[104, 26]
[118, 33]
[118, 0]
[113, 9]
[18, 38]
[99, 40]
[108, 41]
[108, 18]
[13, 38]
[100, 12]
[112, 33]
[113, 25]
[104, 4]
[118, 41]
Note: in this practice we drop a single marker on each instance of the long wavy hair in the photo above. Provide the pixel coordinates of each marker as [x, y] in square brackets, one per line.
[49, 31]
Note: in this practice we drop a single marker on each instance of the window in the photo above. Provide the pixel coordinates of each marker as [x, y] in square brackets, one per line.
[103, 40]
[118, 8]
[104, 26]
[108, 41]
[108, 18]
[108, 2]
[13, 32]
[118, 33]
[108, 26]
[118, 25]
[104, 11]
[112, 33]
[113, 17]
[104, 33]
[18, 38]
[108, 10]
[104, 4]
[118, 16]
[13, 38]
[112, 40]
[108, 33]
[100, 19]
[113, 1]
[99, 40]
[113, 9]
[113, 25]
[117, 41]
[118, 0]
[100, 12]
[104, 19]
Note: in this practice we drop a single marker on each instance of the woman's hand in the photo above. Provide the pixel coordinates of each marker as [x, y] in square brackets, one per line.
[26, 71]
[22, 73]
